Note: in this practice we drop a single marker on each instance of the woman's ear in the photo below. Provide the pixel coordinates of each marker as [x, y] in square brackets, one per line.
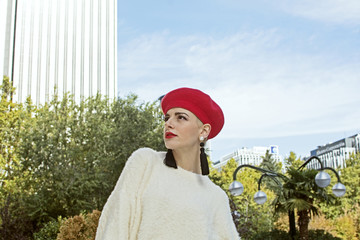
[206, 128]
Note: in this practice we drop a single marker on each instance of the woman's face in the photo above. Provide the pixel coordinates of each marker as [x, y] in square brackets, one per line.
[182, 129]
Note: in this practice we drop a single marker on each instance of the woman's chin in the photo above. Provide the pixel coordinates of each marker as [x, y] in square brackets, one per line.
[169, 144]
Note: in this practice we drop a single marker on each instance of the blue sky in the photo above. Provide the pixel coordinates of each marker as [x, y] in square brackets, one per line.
[286, 73]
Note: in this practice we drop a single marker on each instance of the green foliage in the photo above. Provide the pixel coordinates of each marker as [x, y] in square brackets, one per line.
[11, 123]
[76, 152]
[63, 158]
[300, 195]
[271, 235]
[269, 163]
[225, 177]
[293, 161]
[80, 227]
[350, 177]
[49, 231]
[249, 217]
[348, 205]
[345, 227]
[301, 191]
[323, 223]
[278, 234]
[15, 224]
[321, 235]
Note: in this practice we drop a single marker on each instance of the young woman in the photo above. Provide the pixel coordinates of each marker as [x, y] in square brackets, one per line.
[167, 196]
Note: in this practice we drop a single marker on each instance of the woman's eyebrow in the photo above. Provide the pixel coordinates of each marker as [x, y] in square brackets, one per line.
[180, 113]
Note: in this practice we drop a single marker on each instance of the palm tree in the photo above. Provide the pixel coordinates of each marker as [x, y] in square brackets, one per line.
[300, 193]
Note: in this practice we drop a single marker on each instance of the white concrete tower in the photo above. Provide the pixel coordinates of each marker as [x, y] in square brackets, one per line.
[70, 44]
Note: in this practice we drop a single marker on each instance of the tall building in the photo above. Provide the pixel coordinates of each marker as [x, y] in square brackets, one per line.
[252, 156]
[60, 46]
[334, 154]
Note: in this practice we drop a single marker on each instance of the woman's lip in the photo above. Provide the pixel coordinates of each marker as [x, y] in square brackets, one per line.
[170, 135]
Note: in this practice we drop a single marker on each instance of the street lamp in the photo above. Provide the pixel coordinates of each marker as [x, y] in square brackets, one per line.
[236, 188]
[260, 196]
[322, 179]
[338, 189]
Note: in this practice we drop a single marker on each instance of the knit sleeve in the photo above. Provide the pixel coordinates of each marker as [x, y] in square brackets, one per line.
[225, 225]
[120, 216]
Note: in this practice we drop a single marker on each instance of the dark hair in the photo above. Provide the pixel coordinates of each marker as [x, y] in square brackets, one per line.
[169, 159]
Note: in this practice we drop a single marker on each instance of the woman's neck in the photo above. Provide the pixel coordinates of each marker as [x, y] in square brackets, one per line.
[188, 159]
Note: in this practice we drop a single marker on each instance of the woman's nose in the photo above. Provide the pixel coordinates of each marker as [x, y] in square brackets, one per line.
[168, 123]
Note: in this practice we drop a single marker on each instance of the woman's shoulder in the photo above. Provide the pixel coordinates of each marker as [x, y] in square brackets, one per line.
[147, 152]
[141, 161]
[218, 193]
[145, 155]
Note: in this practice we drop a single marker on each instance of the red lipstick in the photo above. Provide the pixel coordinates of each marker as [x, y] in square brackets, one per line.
[170, 135]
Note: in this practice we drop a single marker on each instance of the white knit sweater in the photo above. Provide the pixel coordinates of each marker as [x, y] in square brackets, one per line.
[154, 202]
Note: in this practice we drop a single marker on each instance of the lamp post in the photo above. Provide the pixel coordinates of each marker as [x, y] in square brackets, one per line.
[236, 188]
[260, 197]
[322, 180]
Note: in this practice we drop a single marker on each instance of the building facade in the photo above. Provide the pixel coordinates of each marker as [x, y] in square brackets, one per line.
[59, 46]
[252, 156]
[334, 154]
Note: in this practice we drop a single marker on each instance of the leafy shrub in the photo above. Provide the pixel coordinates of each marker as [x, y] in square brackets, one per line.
[354, 212]
[321, 235]
[283, 235]
[273, 235]
[320, 222]
[49, 231]
[80, 227]
[15, 224]
[345, 227]
[282, 222]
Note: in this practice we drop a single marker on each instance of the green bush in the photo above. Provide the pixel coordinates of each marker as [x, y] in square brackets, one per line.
[282, 235]
[345, 227]
[49, 231]
[321, 235]
[15, 223]
[273, 235]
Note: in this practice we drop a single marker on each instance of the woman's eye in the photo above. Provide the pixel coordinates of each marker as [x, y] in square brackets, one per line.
[166, 118]
[182, 117]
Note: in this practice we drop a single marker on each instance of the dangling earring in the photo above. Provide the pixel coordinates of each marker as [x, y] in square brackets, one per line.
[169, 159]
[203, 158]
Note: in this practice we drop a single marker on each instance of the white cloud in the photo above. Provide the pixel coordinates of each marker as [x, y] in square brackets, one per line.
[263, 90]
[333, 11]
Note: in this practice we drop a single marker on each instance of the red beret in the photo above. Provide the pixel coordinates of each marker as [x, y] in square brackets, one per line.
[198, 103]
